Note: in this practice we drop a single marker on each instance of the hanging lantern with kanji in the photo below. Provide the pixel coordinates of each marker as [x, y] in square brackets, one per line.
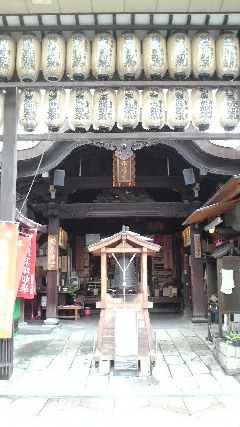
[78, 60]
[80, 113]
[7, 57]
[104, 109]
[227, 56]
[129, 65]
[29, 109]
[202, 107]
[203, 55]
[154, 55]
[53, 57]
[103, 56]
[153, 108]
[228, 107]
[54, 109]
[179, 56]
[178, 108]
[128, 109]
[28, 60]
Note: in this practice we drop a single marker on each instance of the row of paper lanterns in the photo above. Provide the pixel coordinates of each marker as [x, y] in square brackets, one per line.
[128, 55]
[102, 109]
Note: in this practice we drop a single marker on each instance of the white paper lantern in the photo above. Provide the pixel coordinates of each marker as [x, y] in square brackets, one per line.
[103, 56]
[179, 56]
[54, 109]
[104, 109]
[7, 57]
[2, 100]
[202, 107]
[129, 64]
[28, 60]
[29, 109]
[53, 57]
[153, 108]
[154, 55]
[178, 108]
[78, 62]
[228, 107]
[227, 56]
[128, 110]
[80, 114]
[203, 55]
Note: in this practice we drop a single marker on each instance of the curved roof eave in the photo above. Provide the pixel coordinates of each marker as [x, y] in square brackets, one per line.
[204, 155]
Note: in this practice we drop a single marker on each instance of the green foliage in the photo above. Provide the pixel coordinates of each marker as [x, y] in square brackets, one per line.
[72, 289]
[232, 337]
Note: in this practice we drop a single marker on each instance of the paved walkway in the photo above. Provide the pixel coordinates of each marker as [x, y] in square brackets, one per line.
[55, 380]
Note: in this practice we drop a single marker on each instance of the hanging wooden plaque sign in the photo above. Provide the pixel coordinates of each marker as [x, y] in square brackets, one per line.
[52, 252]
[124, 172]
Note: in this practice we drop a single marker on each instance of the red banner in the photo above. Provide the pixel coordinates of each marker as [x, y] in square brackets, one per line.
[22, 251]
[27, 284]
[8, 257]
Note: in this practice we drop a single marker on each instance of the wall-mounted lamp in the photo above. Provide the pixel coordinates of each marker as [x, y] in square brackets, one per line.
[52, 191]
[211, 225]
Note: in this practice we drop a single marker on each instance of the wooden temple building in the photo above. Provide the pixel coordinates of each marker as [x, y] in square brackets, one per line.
[90, 147]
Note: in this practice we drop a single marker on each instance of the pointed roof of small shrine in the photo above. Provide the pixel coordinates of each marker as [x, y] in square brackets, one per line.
[125, 239]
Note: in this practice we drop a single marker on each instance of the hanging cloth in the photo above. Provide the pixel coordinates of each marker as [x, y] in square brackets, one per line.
[227, 281]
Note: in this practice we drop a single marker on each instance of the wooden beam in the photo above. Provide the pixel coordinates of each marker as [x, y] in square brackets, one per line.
[140, 84]
[120, 210]
[131, 136]
[72, 184]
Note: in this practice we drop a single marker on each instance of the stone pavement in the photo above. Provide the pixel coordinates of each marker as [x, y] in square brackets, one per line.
[56, 381]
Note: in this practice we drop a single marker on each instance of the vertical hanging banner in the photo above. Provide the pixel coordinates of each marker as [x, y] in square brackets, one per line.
[27, 284]
[8, 257]
[168, 252]
[22, 251]
[197, 246]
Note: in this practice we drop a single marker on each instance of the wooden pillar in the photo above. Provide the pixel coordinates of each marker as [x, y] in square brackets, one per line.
[52, 275]
[8, 200]
[103, 274]
[197, 285]
[144, 275]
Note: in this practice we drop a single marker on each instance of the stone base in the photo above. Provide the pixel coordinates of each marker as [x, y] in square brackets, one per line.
[227, 355]
[51, 321]
[104, 366]
[199, 319]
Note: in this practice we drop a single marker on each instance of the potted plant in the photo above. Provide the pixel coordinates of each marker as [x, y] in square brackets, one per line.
[72, 289]
[233, 338]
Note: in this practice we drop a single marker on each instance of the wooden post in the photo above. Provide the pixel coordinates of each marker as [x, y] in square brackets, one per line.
[197, 286]
[8, 201]
[144, 278]
[52, 275]
[103, 273]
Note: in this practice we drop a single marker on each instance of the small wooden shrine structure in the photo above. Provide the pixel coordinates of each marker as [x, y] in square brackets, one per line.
[124, 333]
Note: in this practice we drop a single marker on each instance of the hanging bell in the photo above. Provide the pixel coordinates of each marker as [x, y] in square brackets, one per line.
[125, 273]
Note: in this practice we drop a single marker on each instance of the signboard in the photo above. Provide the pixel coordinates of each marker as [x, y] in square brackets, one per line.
[64, 264]
[197, 246]
[8, 257]
[27, 284]
[63, 236]
[186, 237]
[92, 238]
[124, 172]
[52, 252]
